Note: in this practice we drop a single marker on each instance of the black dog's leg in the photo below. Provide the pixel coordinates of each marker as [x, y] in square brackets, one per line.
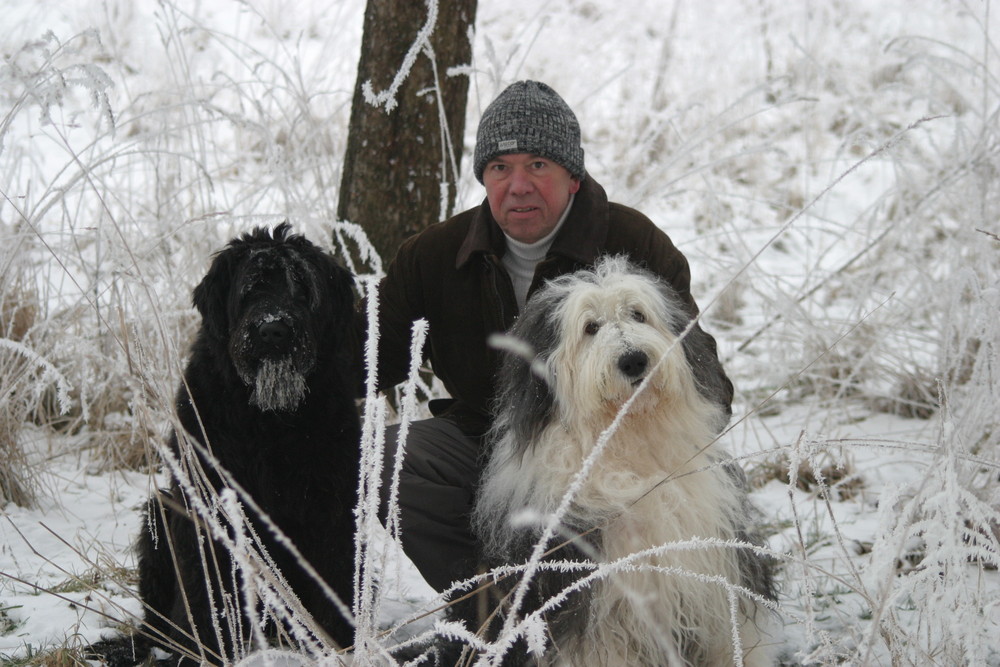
[157, 579]
[323, 610]
[156, 591]
[174, 593]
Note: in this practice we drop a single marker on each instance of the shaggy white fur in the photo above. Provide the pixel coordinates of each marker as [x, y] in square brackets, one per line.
[619, 423]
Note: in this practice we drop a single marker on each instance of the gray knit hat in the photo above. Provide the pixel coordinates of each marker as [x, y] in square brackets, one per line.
[529, 117]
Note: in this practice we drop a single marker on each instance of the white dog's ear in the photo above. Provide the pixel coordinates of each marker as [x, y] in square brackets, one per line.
[709, 376]
[701, 353]
[525, 390]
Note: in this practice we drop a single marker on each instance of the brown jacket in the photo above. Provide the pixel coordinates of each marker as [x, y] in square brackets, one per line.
[451, 275]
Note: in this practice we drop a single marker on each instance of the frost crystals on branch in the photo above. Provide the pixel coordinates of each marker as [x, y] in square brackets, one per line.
[387, 98]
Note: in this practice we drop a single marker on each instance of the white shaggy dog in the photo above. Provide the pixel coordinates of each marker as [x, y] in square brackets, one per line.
[603, 456]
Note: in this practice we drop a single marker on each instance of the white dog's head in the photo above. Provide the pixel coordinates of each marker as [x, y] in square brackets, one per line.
[616, 331]
[595, 338]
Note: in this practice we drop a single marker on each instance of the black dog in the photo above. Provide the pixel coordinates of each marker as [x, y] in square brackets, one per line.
[267, 398]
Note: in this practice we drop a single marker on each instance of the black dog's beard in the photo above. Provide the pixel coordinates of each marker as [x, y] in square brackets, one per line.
[278, 386]
[275, 372]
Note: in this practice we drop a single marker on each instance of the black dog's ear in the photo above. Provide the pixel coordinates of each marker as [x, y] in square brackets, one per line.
[340, 281]
[211, 296]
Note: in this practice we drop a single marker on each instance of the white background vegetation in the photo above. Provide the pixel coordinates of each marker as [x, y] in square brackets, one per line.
[831, 169]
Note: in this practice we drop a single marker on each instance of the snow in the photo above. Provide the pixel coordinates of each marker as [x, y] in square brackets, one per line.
[61, 550]
[828, 169]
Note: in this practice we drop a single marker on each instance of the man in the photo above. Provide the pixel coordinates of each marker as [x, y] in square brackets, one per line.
[469, 276]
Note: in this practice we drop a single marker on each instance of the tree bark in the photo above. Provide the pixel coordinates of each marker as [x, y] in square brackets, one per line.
[401, 158]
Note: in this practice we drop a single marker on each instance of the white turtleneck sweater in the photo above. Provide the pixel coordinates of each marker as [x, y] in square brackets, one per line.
[521, 259]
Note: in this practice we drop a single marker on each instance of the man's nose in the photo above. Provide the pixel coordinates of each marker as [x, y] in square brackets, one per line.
[520, 182]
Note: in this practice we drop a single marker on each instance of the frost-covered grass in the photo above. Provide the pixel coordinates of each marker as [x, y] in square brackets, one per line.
[830, 169]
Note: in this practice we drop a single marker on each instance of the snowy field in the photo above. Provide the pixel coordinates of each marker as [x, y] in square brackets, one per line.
[829, 168]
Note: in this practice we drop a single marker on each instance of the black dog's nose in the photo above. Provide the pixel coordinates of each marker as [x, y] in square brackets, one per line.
[274, 333]
[633, 364]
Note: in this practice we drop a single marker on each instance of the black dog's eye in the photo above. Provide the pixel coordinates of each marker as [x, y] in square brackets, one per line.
[638, 316]
[591, 327]
[300, 292]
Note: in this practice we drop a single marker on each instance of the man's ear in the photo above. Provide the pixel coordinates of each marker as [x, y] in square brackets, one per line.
[574, 186]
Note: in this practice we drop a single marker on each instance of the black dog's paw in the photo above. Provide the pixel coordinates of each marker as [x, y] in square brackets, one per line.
[125, 651]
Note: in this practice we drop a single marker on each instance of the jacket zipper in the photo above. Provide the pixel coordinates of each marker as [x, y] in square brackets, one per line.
[504, 299]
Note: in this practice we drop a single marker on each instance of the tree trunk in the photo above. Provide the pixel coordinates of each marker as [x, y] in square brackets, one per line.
[399, 172]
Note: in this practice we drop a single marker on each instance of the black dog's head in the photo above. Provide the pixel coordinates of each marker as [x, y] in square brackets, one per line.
[274, 303]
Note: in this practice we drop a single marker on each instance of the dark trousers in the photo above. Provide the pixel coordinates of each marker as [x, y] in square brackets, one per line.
[436, 490]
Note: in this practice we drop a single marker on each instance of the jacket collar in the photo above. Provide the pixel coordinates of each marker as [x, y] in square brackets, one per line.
[581, 238]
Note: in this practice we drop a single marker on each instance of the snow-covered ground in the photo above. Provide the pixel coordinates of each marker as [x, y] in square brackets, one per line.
[66, 562]
[828, 168]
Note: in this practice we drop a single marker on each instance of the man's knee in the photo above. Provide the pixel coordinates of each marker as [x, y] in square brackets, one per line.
[434, 450]
[437, 479]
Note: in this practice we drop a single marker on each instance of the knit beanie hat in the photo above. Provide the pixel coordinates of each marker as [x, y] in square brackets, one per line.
[529, 117]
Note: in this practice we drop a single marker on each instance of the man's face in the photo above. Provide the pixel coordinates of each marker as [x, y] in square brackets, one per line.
[527, 194]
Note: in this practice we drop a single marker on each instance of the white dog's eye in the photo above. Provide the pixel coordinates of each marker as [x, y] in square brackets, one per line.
[591, 327]
[638, 316]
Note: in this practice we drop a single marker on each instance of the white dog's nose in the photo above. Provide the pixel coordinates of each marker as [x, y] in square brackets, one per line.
[633, 364]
